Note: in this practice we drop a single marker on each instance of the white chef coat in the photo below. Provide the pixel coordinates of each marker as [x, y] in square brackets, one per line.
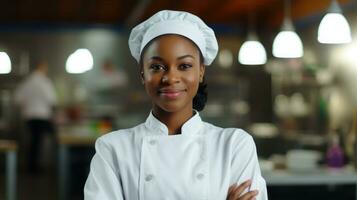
[36, 95]
[146, 163]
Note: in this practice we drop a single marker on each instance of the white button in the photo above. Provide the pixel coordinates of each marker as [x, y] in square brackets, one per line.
[152, 142]
[200, 176]
[149, 177]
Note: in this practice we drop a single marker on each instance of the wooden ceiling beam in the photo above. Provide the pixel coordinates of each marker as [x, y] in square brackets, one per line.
[198, 7]
[267, 13]
[9, 10]
[299, 9]
[34, 11]
[137, 13]
[106, 11]
[232, 10]
[154, 7]
[68, 10]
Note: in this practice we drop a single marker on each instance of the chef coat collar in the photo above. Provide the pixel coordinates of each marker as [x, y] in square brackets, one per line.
[191, 126]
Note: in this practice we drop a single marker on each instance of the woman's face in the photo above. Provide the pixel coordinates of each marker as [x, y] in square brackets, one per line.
[171, 72]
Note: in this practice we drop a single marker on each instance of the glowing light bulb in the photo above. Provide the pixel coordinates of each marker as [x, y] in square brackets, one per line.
[252, 52]
[5, 63]
[79, 62]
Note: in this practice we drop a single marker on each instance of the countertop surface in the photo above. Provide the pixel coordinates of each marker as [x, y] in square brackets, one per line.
[346, 175]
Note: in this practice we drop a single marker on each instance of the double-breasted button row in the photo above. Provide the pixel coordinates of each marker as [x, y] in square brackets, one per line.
[200, 176]
[149, 177]
[152, 142]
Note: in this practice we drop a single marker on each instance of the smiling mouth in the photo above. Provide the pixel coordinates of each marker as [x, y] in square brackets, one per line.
[171, 94]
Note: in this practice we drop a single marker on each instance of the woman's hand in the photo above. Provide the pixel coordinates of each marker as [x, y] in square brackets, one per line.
[235, 192]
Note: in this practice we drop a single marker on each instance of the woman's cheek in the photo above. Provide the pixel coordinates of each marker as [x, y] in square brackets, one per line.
[193, 82]
[192, 78]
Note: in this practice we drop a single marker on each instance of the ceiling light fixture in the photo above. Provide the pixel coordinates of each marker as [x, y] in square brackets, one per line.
[252, 52]
[79, 62]
[334, 28]
[5, 63]
[287, 44]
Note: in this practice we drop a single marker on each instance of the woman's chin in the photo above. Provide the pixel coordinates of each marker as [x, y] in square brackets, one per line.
[172, 107]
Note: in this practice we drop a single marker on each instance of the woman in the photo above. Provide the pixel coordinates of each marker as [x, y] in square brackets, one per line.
[175, 155]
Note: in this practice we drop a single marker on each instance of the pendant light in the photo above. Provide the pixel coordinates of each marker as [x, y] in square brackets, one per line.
[5, 63]
[334, 28]
[287, 44]
[79, 62]
[252, 52]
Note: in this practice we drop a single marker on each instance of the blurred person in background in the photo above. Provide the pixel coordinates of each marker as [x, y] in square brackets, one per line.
[36, 97]
[111, 77]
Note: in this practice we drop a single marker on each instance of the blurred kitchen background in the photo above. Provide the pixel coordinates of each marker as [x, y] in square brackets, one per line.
[286, 72]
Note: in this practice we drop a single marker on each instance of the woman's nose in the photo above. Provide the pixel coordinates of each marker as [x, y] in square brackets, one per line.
[171, 76]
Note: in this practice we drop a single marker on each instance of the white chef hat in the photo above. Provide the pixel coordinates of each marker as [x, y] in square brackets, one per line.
[174, 22]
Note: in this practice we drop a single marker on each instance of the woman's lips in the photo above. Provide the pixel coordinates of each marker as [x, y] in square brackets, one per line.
[170, 94]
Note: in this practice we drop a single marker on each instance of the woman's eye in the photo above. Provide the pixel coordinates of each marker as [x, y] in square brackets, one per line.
[185, 66]
[157, 67]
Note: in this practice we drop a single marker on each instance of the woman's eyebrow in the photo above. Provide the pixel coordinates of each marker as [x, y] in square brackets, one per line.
[156, 58]
[185, 56]
[178, 58]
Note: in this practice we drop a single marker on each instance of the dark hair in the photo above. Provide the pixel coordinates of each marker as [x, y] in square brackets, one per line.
[200, 99]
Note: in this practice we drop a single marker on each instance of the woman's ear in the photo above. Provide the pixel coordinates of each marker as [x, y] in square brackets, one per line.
[142, 77]
[202, 72]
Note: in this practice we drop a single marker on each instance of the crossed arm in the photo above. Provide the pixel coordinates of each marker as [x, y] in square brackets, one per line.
[235, 192]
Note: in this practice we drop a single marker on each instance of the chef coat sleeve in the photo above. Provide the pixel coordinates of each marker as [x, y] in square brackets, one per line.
[245, 166]
[103, 181]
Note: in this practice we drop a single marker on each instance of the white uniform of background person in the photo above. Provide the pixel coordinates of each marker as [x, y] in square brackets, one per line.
[36, 97]
[145, 163]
